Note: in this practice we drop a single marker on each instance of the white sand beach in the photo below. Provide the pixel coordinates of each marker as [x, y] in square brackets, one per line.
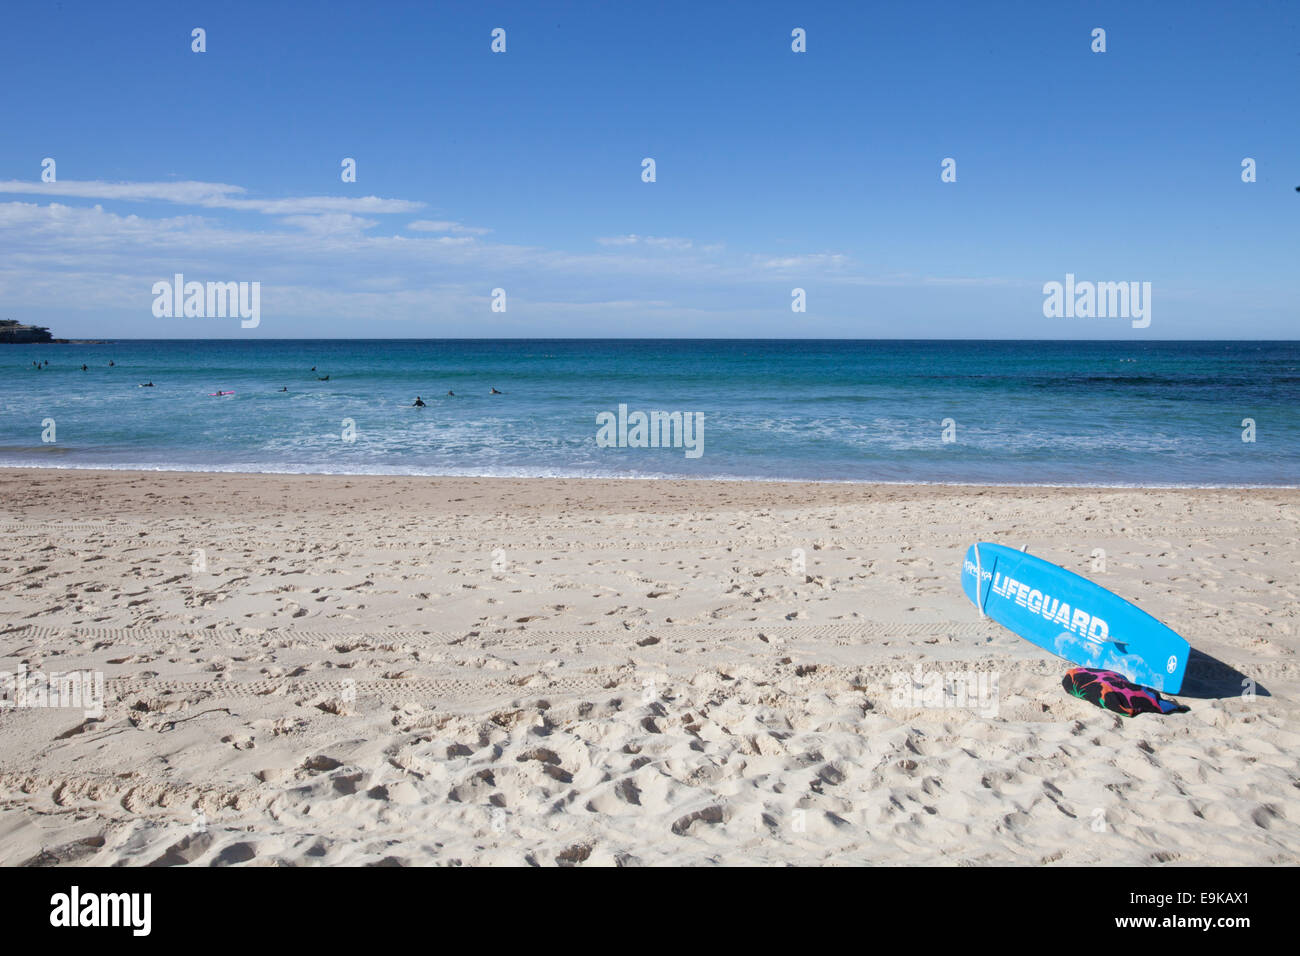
[306, 670]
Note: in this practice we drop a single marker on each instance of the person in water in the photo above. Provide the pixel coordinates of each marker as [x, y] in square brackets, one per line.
[147, 385]
[284, 389]
[84, 369]
[495, 392]
[418, 403]
[451, 393]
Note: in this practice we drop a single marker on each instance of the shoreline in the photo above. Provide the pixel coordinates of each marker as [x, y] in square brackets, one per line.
[810, 482]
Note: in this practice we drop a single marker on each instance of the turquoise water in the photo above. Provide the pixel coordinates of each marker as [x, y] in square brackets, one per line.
[1159, 413]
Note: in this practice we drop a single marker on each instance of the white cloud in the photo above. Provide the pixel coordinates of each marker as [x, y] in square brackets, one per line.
[330, 222]
[189, 193]
[316, 261]
[371, 205]
[815, 261]
[210, 196]
[432, 225]
[655, 242]
[660, 242]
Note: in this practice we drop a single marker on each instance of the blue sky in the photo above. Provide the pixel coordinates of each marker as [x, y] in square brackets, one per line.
[775, 170]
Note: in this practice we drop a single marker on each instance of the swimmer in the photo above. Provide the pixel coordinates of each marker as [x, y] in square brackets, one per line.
[418, 403]
[84, 369]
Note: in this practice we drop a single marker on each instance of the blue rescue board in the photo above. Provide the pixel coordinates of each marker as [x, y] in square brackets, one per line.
[1073, 618]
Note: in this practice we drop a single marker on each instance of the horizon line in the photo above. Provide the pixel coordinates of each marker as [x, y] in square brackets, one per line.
[639, 338]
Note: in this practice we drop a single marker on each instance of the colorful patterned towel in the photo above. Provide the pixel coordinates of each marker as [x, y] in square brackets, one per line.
[1112, 691]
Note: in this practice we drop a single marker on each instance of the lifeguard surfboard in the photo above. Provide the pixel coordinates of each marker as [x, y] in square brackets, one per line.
[1073, 618]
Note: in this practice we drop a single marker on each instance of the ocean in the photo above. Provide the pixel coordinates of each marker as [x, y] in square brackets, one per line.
[1068, 413]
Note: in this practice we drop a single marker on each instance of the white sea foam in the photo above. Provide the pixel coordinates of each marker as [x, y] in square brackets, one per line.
[582, 474]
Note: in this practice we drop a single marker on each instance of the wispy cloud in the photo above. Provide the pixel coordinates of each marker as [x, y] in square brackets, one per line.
[654, 242]
[336, 258]
[331, 222]
[210, 196]
[822, 260]
[455, 228]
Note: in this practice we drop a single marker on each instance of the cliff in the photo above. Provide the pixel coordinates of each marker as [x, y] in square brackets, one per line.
[13, 332]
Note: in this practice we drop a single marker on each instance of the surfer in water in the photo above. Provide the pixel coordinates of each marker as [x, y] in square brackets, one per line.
[495, 392]
[451, 393]
[147, 385]
[84, 369]
[418, 403]
[284, 389]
